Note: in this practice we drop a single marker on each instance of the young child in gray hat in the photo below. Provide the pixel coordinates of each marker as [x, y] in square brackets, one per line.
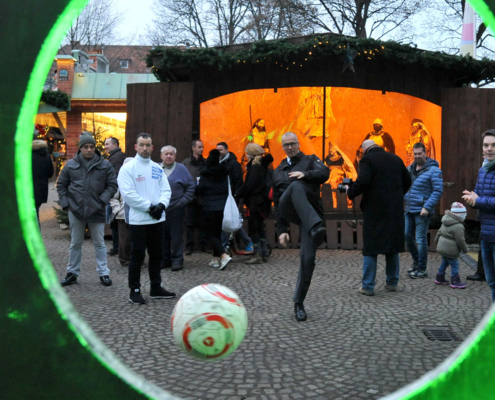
[450, 239]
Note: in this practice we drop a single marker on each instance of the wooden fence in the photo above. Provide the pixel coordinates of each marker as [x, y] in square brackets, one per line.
[344, 225]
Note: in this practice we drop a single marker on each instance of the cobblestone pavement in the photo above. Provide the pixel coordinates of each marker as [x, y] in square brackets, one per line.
[351, 347]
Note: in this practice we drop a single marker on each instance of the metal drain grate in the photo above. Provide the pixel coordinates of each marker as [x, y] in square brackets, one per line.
[443, 333]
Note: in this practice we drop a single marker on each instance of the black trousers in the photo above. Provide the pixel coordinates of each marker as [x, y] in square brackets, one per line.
[195, 219]
[213, 224]
[144, 237]
[173, 240]
[256, 226]
[296, 208]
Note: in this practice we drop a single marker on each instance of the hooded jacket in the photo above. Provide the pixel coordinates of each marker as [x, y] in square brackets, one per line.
[426, 188]
[142, 184]
[42, 171]
[87, 191]
[213, 187]
[450, 237]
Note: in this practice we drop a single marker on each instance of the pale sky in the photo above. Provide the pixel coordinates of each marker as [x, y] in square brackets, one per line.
[137, 19]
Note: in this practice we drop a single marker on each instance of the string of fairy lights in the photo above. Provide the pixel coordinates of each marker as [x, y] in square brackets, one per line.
[287, 56]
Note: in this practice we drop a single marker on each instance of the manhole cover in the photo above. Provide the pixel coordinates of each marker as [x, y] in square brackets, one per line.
[443, 333]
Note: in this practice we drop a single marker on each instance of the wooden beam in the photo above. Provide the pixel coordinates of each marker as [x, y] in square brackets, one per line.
[60, 125]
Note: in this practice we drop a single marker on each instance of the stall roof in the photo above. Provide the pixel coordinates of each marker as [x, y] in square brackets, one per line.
[106, 86]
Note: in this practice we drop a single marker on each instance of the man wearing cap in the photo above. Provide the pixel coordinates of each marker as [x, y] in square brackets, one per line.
[382, 180]
[483, 199]
[420, 202]
[419, 134]
[85, 186]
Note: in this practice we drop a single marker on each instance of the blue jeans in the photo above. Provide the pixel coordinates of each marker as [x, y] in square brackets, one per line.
[77, 230]
[488, 264]
[417, 228]
[453, 262]
[391, 270]
[241, 233]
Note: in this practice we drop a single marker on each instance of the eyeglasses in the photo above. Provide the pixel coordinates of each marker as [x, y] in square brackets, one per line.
[292, 144]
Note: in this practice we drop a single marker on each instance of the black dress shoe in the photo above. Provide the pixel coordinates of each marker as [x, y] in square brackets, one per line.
[317, 234]
[112, 252]
[188, 252]
[300, 312]
[476, 277]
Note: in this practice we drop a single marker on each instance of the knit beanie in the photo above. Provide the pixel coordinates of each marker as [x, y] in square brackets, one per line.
[254, 149]
[458, 209]
[86, 138]
[416, 120]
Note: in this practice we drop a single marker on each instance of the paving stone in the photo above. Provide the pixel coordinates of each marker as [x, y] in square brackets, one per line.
[351, 345]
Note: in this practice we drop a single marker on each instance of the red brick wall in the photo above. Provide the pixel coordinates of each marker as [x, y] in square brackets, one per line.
[65, 86]
[74, 118]
[73, 131]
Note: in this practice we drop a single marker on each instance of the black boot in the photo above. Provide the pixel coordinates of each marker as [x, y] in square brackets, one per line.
[300, 312]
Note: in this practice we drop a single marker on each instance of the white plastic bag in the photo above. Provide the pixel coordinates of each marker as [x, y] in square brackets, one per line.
[231, 221]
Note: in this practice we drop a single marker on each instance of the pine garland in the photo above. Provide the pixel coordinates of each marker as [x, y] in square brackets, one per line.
[61, 215]
[56, 98]
[321, 47]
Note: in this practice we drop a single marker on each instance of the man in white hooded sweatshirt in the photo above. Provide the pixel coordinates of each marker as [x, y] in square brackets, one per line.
[145, 189]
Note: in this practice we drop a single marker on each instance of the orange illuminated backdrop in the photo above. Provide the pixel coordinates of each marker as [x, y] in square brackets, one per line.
[349, 118]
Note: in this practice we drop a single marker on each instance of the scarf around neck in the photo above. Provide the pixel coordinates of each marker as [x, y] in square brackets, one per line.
[488, 165]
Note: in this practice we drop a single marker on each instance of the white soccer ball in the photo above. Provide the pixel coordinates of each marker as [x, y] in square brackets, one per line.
[209, 322]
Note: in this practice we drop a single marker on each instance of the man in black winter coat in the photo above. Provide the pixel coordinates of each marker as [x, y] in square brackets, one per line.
[296, 187]
[383, 180]
[194, 210]
[42, 171]
[235, 169]
[115, 154]
[116, 158]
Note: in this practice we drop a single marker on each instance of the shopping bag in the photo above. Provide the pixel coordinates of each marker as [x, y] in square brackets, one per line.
[231, 221]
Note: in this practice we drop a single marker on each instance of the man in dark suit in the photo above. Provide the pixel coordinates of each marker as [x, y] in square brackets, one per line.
[383, 180]
[296, 187]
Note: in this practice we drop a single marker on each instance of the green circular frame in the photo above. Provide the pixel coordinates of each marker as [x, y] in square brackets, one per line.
[51, 351]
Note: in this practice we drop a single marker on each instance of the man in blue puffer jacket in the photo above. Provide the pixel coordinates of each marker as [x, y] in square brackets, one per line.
[421, 199]
[483, 199]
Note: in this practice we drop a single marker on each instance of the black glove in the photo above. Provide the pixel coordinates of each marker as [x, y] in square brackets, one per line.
[156, 211]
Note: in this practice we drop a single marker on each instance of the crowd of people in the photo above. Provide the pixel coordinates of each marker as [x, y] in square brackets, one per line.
[148, 204]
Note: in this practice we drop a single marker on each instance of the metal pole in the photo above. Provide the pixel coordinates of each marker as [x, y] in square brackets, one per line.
[324, 121]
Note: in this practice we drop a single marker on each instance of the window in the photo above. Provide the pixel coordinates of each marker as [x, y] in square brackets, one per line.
[124, 63]
[63, 75]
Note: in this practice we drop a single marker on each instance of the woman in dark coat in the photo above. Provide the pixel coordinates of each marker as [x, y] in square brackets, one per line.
[383, 180]
[42, 171]
[254, 193]
[213, 189]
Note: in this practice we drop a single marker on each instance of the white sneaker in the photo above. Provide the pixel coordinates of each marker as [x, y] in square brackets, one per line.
[225, 261]
[214, 263]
